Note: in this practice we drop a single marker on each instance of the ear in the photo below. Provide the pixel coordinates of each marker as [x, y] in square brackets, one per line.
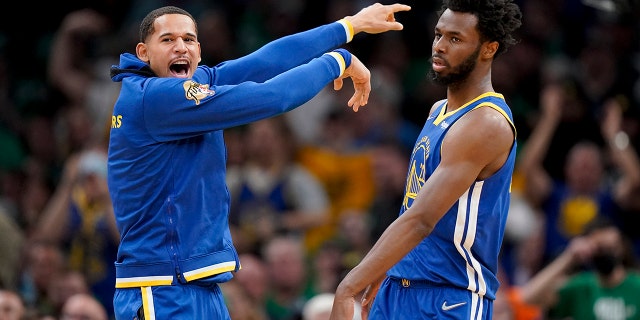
[141, 52]
[199, 53]
[490, 49]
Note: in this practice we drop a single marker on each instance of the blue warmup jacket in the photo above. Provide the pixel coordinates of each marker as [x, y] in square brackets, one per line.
[167, 158]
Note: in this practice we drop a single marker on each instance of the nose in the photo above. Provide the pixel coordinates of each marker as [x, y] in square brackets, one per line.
[438, 45]
[180, 45]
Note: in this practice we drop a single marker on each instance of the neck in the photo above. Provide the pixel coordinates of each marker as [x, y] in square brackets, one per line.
[477, 83]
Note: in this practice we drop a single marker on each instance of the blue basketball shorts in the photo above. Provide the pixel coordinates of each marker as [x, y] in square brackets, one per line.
[405, 299]
[199, 300]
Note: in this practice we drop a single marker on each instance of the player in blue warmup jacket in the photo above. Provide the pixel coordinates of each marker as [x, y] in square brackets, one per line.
[439, 258]
[167, 158]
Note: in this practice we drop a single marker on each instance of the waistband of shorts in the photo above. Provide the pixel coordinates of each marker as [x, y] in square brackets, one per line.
[407, 283]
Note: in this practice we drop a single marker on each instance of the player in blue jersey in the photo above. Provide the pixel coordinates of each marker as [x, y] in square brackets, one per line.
[439, 258]
[167, 158]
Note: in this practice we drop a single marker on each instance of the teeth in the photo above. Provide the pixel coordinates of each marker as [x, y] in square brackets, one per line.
[180, 62]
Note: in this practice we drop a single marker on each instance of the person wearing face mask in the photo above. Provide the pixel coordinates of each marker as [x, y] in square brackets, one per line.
[593, 278]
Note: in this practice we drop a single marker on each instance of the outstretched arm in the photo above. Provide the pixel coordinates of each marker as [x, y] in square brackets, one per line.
[377, 18]
[293, 50]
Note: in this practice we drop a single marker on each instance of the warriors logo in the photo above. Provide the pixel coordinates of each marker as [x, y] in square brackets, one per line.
[417, 172]
[195, 91]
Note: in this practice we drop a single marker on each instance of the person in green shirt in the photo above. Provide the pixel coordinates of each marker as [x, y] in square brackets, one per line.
[594, 278]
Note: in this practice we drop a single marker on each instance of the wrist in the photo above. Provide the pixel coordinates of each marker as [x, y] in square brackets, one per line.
[342, 57]
[348, 28]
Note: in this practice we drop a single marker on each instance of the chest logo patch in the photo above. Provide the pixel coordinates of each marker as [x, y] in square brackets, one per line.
[195, 91]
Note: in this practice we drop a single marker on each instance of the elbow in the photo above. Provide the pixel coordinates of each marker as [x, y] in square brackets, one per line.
[423, 227]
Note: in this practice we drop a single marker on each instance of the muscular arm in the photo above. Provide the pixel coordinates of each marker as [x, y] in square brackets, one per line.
[474, 148]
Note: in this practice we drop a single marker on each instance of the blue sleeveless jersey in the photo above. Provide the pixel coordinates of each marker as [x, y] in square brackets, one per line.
[462, 250]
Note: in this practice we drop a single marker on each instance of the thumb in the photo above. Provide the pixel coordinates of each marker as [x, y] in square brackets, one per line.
[337, 84]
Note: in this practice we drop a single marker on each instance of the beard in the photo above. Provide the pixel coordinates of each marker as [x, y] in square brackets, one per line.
[459, 73]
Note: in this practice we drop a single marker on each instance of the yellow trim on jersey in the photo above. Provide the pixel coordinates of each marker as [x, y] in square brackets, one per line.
[340, 59]
[143, 281]
[210, 270]
[147, 303]
[348, 28]
[442, 115]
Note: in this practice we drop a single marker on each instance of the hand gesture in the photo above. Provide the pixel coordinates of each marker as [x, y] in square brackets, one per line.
[377, 18]
[552, 100]
[612, 122]
[361, 78]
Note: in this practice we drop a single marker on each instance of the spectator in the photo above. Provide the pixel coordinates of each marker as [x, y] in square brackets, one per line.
[253, 279]
[43, 262]
[289, 286]
[78, 66]
[83, 306]
[11, 306]
[270, 193]
[593, 278]
[344, 170]
[79, 218]
[63, 286]
[584, 192]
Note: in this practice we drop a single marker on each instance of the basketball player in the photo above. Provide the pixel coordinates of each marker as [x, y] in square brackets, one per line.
[167, 157]
[439, 258]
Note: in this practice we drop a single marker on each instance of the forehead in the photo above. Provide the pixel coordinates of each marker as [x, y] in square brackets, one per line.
[174, 24]
[463, 23]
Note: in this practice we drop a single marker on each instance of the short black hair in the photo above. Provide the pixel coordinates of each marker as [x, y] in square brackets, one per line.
[146, 26]
[497, 19]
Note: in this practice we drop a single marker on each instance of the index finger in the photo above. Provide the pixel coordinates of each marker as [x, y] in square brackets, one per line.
[397, 7]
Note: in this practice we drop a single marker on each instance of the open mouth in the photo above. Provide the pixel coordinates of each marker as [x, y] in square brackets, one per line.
[180, 68]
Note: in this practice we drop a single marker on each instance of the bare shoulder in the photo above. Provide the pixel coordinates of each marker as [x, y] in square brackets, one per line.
[489, 124]
[484, 135]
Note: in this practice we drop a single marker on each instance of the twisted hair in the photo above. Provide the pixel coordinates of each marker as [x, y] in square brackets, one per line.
[146, 26]
[497, 19]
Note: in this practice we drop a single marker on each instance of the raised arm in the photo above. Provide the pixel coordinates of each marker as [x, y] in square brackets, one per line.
[538, 181]
[296, 49]
[67, 70]
[623, 155]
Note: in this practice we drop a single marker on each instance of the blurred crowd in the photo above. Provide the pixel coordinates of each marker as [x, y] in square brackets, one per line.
[313, 189]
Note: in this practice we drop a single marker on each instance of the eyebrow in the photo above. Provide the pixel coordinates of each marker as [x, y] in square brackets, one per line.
[455, 33]
[171, 33]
